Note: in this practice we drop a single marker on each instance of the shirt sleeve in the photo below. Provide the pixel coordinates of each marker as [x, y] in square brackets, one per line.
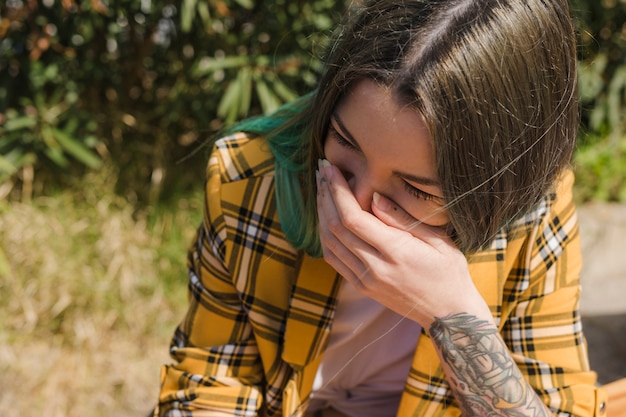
[543, 328]
[218, 370]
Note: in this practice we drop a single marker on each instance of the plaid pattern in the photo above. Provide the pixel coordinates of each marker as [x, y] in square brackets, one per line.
[260, 312]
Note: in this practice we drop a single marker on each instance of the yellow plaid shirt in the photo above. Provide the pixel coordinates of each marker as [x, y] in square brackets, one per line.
[260, 311]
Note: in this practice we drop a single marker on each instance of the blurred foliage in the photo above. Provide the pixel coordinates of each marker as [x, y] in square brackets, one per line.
[600, 160]
[601, 169]
[603, 64]
[142, 84]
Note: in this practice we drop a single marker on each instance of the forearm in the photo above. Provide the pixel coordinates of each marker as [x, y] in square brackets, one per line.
[481, 372]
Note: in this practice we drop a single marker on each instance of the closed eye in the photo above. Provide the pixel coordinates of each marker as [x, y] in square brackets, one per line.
[340, 139]
[417, 193]
[412, 190]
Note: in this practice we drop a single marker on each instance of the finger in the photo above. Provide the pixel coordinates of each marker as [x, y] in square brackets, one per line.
[365, 226]
[330, 243]
[335, 252]
[393, 215]
[347, 214]
[345, 263]
[335, 192]
[342, 269]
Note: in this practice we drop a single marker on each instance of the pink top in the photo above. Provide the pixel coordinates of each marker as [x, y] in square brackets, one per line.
[369, 354]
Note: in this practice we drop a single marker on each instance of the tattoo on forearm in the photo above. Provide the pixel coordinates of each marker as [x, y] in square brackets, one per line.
[485, 379]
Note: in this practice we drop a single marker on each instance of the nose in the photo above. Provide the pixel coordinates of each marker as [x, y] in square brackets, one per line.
[362, 189]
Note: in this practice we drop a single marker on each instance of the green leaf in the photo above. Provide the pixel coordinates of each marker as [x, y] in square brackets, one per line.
[22, 122]
[71, 125]
[284, 92]
[210, 65]
[248, 4]
[616, 102]
[56, 156]
[13, 160]
[245, 79]
[269, 101]
[205, 15]
[6, 166]
[187, 11]
[229, 104]
[76, 149]
[590, 79]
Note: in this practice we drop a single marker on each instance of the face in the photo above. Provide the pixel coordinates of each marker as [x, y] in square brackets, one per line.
[386, 148]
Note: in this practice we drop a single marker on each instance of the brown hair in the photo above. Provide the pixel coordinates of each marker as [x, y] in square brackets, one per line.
[496, 83]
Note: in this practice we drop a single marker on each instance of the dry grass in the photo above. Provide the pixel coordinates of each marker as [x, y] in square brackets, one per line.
[90, 295]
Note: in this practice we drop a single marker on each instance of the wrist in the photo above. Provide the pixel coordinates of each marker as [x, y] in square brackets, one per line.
[468, 304]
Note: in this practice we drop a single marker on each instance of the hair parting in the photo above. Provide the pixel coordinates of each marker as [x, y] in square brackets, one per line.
[495, 82]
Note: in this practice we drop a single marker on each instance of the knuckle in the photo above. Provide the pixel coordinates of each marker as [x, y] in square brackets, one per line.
[351, 223]
[332, 246]
[326, 255]
[335, 226]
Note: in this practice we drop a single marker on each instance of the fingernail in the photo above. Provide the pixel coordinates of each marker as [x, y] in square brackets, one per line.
[325, 168]
[381, 202]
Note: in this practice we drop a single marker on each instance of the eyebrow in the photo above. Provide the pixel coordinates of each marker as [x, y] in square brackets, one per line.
[413, 178]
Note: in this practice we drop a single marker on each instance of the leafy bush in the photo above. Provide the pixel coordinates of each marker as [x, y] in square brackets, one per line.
[144, 82]
[601, 157]
[603, 64]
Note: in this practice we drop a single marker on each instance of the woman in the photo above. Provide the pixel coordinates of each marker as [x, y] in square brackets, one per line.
[430, 168]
